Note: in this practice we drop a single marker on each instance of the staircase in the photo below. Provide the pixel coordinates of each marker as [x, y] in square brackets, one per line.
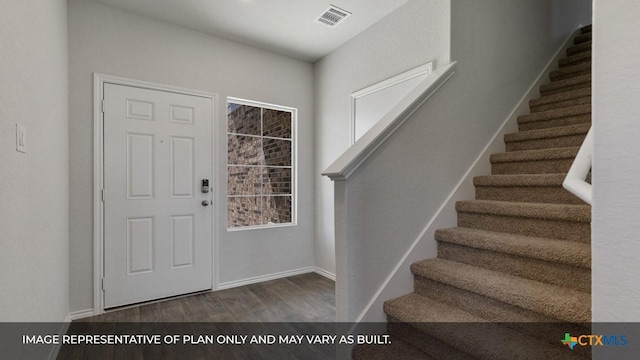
[515, 275]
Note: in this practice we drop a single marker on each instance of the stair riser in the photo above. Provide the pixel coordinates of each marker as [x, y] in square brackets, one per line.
[537, 194]
[553, 90]
[555, 76]
[552, 99]
[424, 342]
[586, 29]
[581, 58]
[577, 49]
[519, 319]
[563, 230]
[582, 38]
[545, 124]
[532, 167]
[561, 104]
[539, 144]
[533, 269]
[476, 304]
[576, 111]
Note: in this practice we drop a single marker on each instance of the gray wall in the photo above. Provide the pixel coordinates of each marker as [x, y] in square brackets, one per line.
[411, 36]
[114, 42]
[616, 202]
[34, 186]
[501, 46]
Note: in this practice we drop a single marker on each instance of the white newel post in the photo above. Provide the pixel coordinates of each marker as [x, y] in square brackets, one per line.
[342, 251]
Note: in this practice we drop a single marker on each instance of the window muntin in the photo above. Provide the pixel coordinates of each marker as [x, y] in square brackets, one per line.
[260, 164]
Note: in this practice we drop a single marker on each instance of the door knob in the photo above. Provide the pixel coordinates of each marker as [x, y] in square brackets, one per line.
[205, 203]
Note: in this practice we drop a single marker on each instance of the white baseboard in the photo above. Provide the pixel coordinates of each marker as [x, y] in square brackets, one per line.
[325, 273]
[400, 281]
[80, 314]
[263, 278]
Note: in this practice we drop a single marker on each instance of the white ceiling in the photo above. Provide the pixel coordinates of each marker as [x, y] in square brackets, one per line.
[284, 26]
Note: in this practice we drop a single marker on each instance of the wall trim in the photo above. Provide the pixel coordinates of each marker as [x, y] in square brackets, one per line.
[263, 278]
[384, 84]
[358, 153]
[98, 176]
[324, 273]
[375, 304]
[81, 314]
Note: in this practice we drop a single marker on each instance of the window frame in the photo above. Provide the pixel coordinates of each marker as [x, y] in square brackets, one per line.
[294, 161]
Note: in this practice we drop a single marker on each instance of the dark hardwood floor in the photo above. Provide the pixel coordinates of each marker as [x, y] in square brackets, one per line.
[303, 304]
[302, 298]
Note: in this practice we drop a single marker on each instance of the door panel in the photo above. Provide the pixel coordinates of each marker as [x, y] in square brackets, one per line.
[157, 150]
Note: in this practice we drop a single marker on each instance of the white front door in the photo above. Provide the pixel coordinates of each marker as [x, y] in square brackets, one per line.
[158, 221]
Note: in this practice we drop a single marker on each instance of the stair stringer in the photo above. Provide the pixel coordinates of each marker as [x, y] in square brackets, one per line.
[401, 281]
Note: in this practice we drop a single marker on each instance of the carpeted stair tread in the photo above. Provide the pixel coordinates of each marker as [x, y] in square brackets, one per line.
[584, 57]
[474, 335]
[424, 342]
[569, 95]
[571, 71]
[540, 188]
[483, 339]
[522, 266]
[558, 212]
[528, 180]
[551, 300]
[547, 220]
[565, 121]
[580, 48]
[571, 84]
[565, 99]
[535, 155]
[556, 114]
[538, 139]
[578, 129]
[582, 38]
[553, 250]
[476, 304]
[561, 104]
[398, 349]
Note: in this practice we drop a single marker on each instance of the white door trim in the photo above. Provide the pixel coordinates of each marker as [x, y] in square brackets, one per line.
[98, 174]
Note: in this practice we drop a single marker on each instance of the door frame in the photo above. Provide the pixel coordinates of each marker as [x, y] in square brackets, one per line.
[98, 174]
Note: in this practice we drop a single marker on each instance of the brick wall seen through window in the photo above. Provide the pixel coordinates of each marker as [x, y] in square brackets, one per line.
[260, 164]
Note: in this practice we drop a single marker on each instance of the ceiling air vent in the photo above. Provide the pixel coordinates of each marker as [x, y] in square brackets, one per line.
[332, 16]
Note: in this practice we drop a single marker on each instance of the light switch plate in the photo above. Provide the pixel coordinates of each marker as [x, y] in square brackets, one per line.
[21, 138]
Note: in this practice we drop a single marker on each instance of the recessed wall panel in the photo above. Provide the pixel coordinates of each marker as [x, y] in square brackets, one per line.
[140, 110]
[181, 114]
[139, 166]
[182, 171]
[182, 238]
[139, 245]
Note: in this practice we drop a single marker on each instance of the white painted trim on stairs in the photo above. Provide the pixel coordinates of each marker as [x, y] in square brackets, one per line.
[463, 190]
[575, 180]
[263, 278]
[359, 152]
